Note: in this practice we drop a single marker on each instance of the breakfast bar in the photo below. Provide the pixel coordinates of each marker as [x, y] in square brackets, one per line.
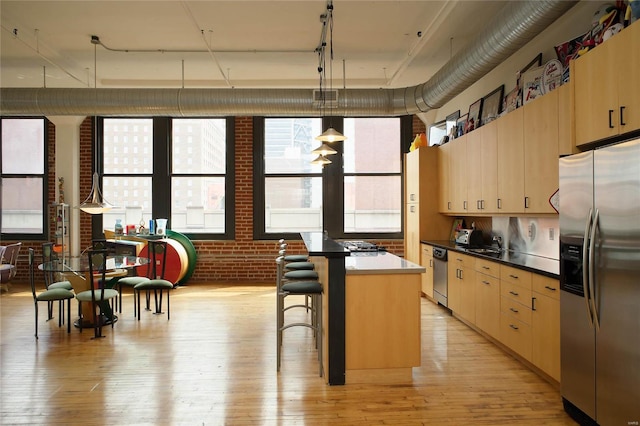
[371, 313]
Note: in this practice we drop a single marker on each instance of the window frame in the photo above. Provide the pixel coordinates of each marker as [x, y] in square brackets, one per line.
[162, 176]
[44, 235]
[332, 184]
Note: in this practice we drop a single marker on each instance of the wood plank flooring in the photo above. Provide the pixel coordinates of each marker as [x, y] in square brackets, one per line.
[214, 363]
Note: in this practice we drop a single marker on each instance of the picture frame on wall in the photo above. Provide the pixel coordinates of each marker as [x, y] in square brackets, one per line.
[452, 123]
[473, 116]
[460, 125]
[492, 105]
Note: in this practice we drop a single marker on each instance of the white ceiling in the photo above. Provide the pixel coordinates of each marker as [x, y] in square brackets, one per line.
[253, 43]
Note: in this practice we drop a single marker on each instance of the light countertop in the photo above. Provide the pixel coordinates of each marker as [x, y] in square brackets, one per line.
[380, 263]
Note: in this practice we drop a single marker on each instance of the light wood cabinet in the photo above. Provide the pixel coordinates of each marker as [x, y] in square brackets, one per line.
[461, 282]
[541, 153]
[566, 122]
[482, 169]
[515, 310]
[510, 155]
[606, 88]
[487, 288]
[422, 220]
[427, 277]
[458, 175]
[444, 173]
[545, 325]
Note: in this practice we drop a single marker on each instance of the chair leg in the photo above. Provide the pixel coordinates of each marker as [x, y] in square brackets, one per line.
[49, 310]
[138, 296]
[69, 316]
[168, 307]
[36, 306]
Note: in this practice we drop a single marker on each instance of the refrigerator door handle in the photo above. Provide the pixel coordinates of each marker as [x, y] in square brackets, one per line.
[585, 268]
[592, 281]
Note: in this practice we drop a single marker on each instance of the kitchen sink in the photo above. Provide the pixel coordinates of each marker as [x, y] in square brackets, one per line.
[484, 250]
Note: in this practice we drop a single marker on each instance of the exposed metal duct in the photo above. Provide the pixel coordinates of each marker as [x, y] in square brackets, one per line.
[514, 26]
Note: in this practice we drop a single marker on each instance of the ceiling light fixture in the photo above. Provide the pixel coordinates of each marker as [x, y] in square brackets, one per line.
[95, 203]
[331, 134]
[321, 160]
[324, 150]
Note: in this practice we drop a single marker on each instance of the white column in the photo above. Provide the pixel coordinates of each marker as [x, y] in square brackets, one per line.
[68, 167]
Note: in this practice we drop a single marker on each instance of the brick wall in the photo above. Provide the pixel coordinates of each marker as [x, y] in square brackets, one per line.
[241, 260]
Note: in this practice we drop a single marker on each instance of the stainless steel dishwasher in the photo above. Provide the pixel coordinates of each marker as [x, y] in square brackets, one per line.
[440, 284]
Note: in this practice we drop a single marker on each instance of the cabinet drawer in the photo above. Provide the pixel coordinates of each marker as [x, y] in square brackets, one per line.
[516, 292]
[515, 275]
[515, 310]
[462, 260]
[488, 267]
[546, 285]
[516, 335]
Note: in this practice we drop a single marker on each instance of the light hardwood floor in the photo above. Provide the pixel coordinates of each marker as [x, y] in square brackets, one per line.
[214, 363]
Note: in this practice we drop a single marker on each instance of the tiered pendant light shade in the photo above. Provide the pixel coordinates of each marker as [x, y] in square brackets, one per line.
[331, 135]
[95, 202]
[321, 160]
[324, 150]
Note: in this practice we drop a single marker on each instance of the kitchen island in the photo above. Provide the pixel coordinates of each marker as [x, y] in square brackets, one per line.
[371, 313]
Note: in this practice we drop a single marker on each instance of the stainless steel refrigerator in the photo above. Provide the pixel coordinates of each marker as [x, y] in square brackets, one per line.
[600, 283]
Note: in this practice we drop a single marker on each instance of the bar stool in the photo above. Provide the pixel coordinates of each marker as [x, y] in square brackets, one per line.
[304, 287]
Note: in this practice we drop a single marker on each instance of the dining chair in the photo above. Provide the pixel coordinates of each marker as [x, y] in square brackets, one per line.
[156, 281]
[8, 264]
[50, 281]
[49, 296]
[113, 277]
[98, 295]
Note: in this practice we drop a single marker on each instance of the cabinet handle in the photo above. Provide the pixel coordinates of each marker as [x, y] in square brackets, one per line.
[526, 202]
[464, 205]
[499, 203]
[622, 123]
[514, 293]
[611, 119]
[533, 303]
[461, 274]
[481, 204]
[513, 310]
[485, 267]
[549, 288]
[478, 205]
[515, 277]
[448, 205]
[514, 326]
[486, 282]
[430, 263]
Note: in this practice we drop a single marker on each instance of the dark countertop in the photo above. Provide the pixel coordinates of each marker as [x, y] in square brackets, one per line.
[318, 244]
[528, 262]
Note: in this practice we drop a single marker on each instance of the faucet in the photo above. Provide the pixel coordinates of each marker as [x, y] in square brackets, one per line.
[497, 239]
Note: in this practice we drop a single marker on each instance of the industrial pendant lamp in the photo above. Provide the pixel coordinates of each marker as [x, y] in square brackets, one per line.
[331, 134]
[321, 160]
[324, 150]
[95, 203]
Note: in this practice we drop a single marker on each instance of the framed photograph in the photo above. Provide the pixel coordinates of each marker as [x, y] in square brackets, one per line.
[492, 106]
[460, 124]
[473, 117]
[452, 124]
[510, 101]
[535, 63]
[532, 84]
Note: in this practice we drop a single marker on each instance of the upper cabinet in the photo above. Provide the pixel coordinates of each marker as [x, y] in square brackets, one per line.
[482, 169]
[541, 152]
[606, 85]
[511, 162]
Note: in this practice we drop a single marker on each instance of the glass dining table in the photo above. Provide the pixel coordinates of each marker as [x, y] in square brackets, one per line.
[76, 270]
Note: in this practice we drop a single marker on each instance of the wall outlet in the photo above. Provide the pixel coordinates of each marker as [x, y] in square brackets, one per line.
[551, 234]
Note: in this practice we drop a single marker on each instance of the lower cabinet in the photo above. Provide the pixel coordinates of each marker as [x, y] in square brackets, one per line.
[518, 308]
[545, 325]
[426, 260]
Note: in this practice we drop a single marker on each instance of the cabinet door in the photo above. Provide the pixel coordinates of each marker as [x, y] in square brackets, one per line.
[444, 174]
[628, 52]
[458, 171]
[474, 171]
[427, 277]
[412, 233]
[511, 162]
[488, 304]
[541, 153]
[596, 93]
[489, 155]
[545, 325]
[412, 176]
[468, 294]
[453, 287]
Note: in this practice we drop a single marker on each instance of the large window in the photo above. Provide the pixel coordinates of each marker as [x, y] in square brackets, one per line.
[23, 174]
[180, 169]
[358, 195]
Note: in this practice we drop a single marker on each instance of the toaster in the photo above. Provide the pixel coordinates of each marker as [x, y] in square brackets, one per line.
[469, 237]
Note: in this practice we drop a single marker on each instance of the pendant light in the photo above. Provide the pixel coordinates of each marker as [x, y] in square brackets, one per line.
[331, 134]
[324, 150]
[321, 160]
[95, 203]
